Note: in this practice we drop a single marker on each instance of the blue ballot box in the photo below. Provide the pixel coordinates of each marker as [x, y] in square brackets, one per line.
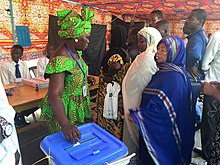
[96, 147]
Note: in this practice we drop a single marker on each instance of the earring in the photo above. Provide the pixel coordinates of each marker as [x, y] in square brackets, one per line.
[76, 40]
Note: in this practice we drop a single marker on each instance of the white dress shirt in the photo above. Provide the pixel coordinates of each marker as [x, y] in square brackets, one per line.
[41, 66]
[7, 71]
[10, 145]
[211, 60]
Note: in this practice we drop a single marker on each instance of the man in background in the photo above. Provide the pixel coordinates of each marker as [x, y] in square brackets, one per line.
[43, 61]
[163, 26]
[15, 70]
[154, 17]
[195, 50]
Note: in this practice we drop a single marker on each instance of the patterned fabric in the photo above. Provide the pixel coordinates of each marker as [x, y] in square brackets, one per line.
[76, 106]
[210, 119]
[170, 110]
[115, 127]
[176, 52]
[215, 148]
[115, 58]
[166, 112]
[73, 25]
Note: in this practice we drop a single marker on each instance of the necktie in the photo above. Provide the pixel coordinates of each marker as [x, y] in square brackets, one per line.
[17, 71]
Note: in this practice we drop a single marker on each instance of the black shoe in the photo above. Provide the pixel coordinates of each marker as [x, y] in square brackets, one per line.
[20, 121]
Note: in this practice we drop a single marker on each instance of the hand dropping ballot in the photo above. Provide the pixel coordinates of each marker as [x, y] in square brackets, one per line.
[95, 147]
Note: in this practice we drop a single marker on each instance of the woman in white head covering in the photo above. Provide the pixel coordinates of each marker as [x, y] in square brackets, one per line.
[137, 77]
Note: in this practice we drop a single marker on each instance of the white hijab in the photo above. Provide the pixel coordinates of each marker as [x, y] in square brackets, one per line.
[137, 78]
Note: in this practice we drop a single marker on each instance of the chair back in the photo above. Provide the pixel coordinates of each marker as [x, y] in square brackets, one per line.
[33, 71]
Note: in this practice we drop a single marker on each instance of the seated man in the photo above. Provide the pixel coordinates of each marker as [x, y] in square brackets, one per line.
[43, 61]
[13, 72]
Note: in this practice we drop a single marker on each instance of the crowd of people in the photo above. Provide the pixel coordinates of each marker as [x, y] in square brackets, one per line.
[147, 97]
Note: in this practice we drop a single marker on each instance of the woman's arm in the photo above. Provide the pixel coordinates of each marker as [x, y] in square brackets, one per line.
[55, 92]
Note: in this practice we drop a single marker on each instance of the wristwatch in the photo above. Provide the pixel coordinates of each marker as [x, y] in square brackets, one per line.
[7, 127]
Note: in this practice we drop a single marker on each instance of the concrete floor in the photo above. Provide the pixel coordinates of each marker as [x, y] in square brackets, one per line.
[30, 144]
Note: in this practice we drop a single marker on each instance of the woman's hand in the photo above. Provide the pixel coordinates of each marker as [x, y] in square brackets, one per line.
[208, 88]
[91, 80]
[193, 71]
[127, 116]
[71, 133]
[215, 83]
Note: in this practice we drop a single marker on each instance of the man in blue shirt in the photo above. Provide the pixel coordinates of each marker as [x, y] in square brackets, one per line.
[195, 49]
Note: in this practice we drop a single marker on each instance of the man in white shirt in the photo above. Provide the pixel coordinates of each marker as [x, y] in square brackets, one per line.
[211, 115]
[211, 60]
[43, 61]
[9, 146]
[15, 70]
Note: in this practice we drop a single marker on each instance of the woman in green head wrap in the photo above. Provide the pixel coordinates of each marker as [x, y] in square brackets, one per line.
[67, 102]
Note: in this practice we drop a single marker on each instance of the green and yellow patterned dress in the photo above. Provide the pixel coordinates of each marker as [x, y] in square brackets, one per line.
[76, 106]
[115, 127]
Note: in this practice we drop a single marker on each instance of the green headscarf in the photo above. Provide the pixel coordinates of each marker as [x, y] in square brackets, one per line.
[73, 25]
